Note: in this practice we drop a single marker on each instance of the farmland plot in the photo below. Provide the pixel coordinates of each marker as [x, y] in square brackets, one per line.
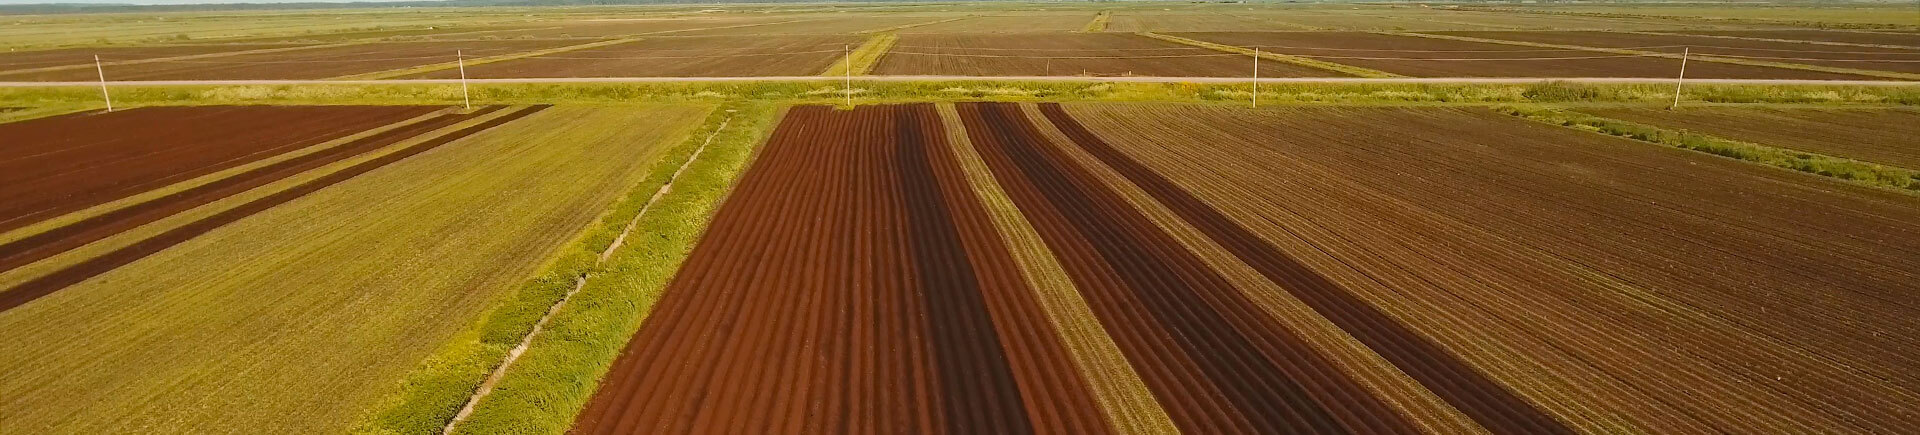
[296, 318]
[65, 163]
[1885, 136]
[1529, 251]
[1066, 55]
[1871, 58]
[1877, 38]
[317, 63]
[19, 60]
[1428, 57]
[1026, 22]
[696, 56]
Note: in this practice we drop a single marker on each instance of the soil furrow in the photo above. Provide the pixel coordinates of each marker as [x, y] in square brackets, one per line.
[1488, 402]
[42, 286]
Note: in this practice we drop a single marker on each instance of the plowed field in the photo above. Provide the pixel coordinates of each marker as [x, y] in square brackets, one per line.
[1871, 58]
[1299, 272]
[1429, 57]
[1067, 55]
[1890, 137]
[19, 60]
[65, 163]
[1880, 38]
[698, 56]
[317, 63]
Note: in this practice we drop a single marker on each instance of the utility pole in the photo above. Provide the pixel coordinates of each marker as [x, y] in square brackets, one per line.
[1683, 77]
[848, 50]
[1256, 77]
[103, 82]
[461, 57]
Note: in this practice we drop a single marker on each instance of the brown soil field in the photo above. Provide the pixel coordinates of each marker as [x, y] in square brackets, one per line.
[1890, 59]
[1885, 136]
[1613, 285]
[1188, 21]
[851, 283]
[19, 60]
[611, 27]
[64, 163]
[316, 63]
[1881, 38]
[1429, 57]
[1069, 54]
[1023, 23]
[46, 244]
[814, 24]
[696, 56]
[52, 282]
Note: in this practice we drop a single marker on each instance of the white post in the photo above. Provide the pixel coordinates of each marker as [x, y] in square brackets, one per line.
[1256, 77]
[848, 49]
[103, 82]
[1683, 77]
[461, 57]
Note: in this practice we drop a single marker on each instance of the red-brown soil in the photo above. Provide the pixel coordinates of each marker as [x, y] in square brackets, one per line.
[1880, 38]
[852, 283]
[45, 285]
[1098, 54]
[1770, 51]
[317, 63]
[701, 56]
[1486, 401]
[84, 56]
[1429, 57]
[1612, 283]
[1885, 136]
[46, 244]
[64, 163]
[1213, 359]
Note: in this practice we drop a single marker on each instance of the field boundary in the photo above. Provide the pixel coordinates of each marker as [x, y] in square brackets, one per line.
[393, 73]
[1784, 40]
[1697, 57]
[1099, 23]
[863, 58]
[913, 25]
[180, 58]
[1296, 60]
[1844, 169]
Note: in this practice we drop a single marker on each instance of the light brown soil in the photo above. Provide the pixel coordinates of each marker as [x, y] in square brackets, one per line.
[680, 56]
[1786, 52]
[1099, 54]
[1429, 57]
[1885, 136]
[316, 63]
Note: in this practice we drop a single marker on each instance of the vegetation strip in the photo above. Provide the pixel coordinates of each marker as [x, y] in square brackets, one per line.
[557, 373]
[45, 285]
[1696, 57]
[1295, 60]
[480, 61]
[1489, 403]
[1849, 170]
[1129, 405]
[39, 246]
[862, 59]
[1232, 369]
[500, 369]
[1099, 23]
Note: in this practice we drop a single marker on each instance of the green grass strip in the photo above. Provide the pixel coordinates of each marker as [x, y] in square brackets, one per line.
[864, 58]
[561, 369]
[1099, 23]
[1849, 170]
[1296, 60]
[1696, 57]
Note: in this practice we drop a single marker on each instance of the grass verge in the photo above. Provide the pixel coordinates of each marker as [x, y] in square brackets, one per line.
[861, 60]
[1296, 60]
[1854, 171]
[559, 371]
[1099, 23]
